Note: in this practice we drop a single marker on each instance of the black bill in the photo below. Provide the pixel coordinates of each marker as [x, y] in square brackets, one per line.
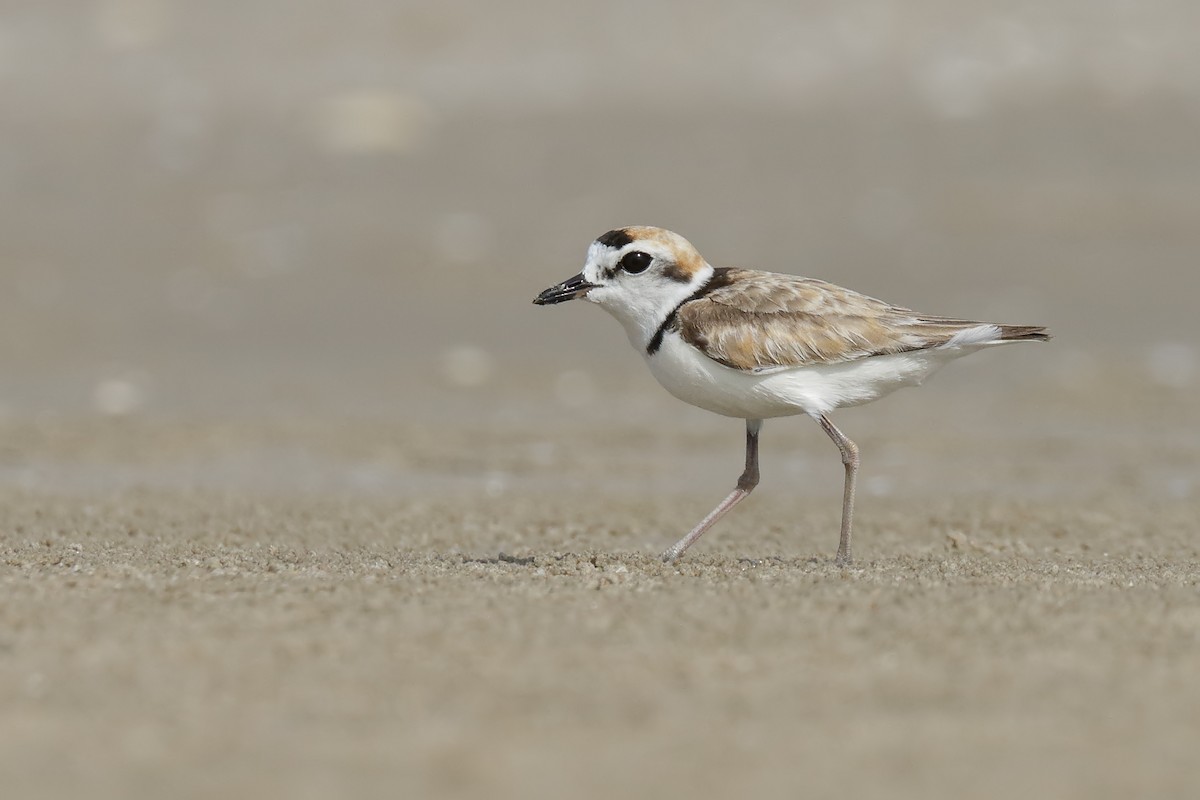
[569, 289]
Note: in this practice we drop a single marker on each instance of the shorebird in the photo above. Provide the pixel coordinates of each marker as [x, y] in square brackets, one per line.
[757, 345]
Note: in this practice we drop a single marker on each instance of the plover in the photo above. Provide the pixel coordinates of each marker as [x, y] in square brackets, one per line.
[757, 345]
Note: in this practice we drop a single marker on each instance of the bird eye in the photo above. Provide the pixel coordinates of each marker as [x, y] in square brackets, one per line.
[636, 262]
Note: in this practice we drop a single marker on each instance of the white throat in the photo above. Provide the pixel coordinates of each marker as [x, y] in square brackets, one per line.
[642, 313]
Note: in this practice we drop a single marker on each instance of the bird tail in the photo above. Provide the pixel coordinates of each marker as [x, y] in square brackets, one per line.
[1023, 333]
[959, 333]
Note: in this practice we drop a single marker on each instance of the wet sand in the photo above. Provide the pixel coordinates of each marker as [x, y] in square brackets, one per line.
[512, 635]
[196, 645]
[300, 496]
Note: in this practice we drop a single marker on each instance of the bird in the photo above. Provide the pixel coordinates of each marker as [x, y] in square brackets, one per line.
[758, 345]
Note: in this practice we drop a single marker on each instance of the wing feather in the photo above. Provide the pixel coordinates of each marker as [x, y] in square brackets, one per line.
[763, 322]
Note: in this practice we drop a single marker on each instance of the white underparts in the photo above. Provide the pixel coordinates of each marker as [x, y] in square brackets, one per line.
[694, 378]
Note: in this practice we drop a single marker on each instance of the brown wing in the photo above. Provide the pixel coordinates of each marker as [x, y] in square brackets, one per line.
[759, 321]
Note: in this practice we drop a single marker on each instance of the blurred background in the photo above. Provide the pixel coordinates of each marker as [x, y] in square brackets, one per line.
[274, 401]
[296, 244]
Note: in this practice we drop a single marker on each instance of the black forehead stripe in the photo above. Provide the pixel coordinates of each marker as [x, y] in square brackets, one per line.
[616, 239]
[719, 279]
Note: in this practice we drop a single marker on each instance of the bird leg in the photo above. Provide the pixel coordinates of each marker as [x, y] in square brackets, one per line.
[745, 485]
[849, 452]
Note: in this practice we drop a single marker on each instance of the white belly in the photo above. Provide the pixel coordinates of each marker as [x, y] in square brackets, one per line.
[694, 378]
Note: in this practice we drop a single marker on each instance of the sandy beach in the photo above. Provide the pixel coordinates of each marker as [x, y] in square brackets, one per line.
[453, 616]
[301, 496]
[197, 645]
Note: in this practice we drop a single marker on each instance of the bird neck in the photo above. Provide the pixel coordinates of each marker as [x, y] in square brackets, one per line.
[644, 316]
